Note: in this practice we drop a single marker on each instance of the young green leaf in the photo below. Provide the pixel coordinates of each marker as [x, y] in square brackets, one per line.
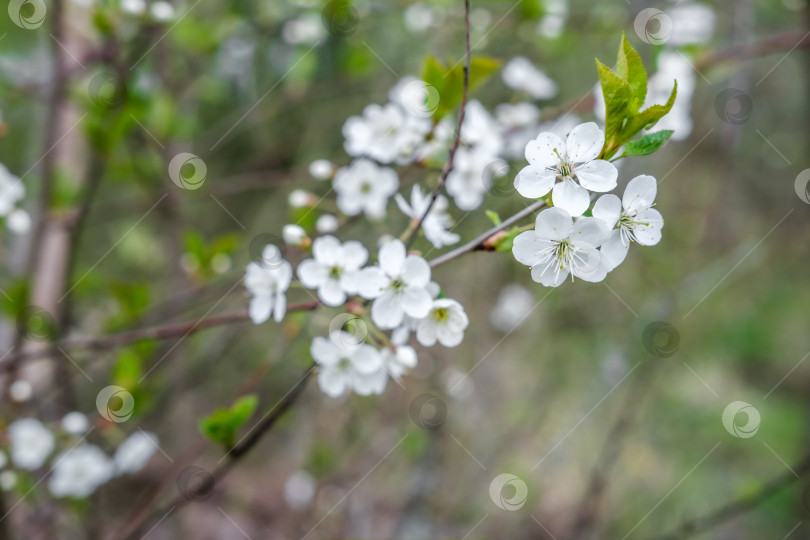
[222, 425]
[449, 81]
[648, 117]
[647, 144]
[618, 94]
[630, 68]
[493, 217]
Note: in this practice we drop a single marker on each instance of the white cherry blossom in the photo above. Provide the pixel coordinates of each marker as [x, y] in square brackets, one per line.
[399, 286]
[398, 359]
[518, 125]
[11, 192]
[334, 269]
[465, 183]
[79, 471]
[365, 187]
[559, 245]
[520, 74]
[436, 222]
[386, 133]
[267, 283]
[75, 423]
[633, 219]
[345, 365]
[31, 443]
[445, 322]
[326, 224]
[135, 452]
[573, 163]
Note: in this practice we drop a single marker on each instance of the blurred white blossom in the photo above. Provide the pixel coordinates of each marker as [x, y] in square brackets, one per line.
[134, 453]
[365, 187]
[520, 74]
[31, 443]
[334, 269]
[344, 365]
[436, 222]
[267, 283]
[445, 322]
[79, 471]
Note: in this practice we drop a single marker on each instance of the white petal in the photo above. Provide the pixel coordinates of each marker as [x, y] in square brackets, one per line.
[260, 308]
[283, 275]
[534, 182]
[549, 275]
[350, 281]
[545, 150]
[648, 233]
[416, 301]
[608, 208]
[597, 175]
[331, 293]
[553, 224]
[366, 384]
[589, 231]
[326, 250]
[448, 337]
[571, 197]
[280, 307]
[324, 351]
[403, 205]
[416, 271]
[527, 247]
[333, 381]
[426, 333]
[639, 193]
[386, 311]
[392, 257]
[312, 273]
[585, 142]
[371, 282]
[590, 267]
[614, 251]
[366, 359]
[355, 255]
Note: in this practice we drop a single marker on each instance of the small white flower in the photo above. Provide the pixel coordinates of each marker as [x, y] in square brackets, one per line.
[31, 443]
[558, 245]
[267, 282]
[480, 130]
[75, 423]
[465, 183]
[419, 17]
[573, 163]
[162, 11]
[347, 365]
[78, 472]
[365, 187]
[21, 390]
[134, 7]
[306, 29]
[398, 360]
[520, 74]
[334, 270]
[436, 222]
[518, 125]
[326, 224]
[445, 322]
[18, 221]
[673, 66]
[386, 133]
[513, 306]
[321, 169]
[691, 23]
[299, 199]
[399, 286]
[631, 219]
[11, 191]
[135, 452]
[293, 235]
[299, 489]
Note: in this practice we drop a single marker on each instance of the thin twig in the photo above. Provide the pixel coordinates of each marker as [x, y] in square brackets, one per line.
[457, 139]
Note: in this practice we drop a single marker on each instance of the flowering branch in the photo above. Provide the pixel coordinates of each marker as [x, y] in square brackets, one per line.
[457, 139]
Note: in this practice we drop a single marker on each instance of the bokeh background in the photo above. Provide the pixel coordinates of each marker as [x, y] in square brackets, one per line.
[614, 436]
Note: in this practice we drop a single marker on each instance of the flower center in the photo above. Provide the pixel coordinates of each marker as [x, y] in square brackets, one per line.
[335, 271]
[365, 187]
[441, 314]
[397, 284]
[344, 364]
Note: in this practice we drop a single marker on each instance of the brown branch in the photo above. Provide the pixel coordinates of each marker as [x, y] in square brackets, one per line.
[457, 139]
[157, 332]
[234, 455]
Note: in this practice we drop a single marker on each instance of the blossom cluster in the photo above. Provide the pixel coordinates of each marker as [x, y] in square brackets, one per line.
[11, 193]
[81, 468]
[388, 299]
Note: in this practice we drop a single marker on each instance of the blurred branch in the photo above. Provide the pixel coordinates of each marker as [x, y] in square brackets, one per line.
[233, 456]
[738, 507]
[414, 232]
[158, 332]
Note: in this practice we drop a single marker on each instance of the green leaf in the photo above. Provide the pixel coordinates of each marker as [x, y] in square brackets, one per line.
[493, 217]
[618, 94]
[647, 144]
[648, 117]
[222, 425]
[630, 68]
[449, 81]
[504, 243]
